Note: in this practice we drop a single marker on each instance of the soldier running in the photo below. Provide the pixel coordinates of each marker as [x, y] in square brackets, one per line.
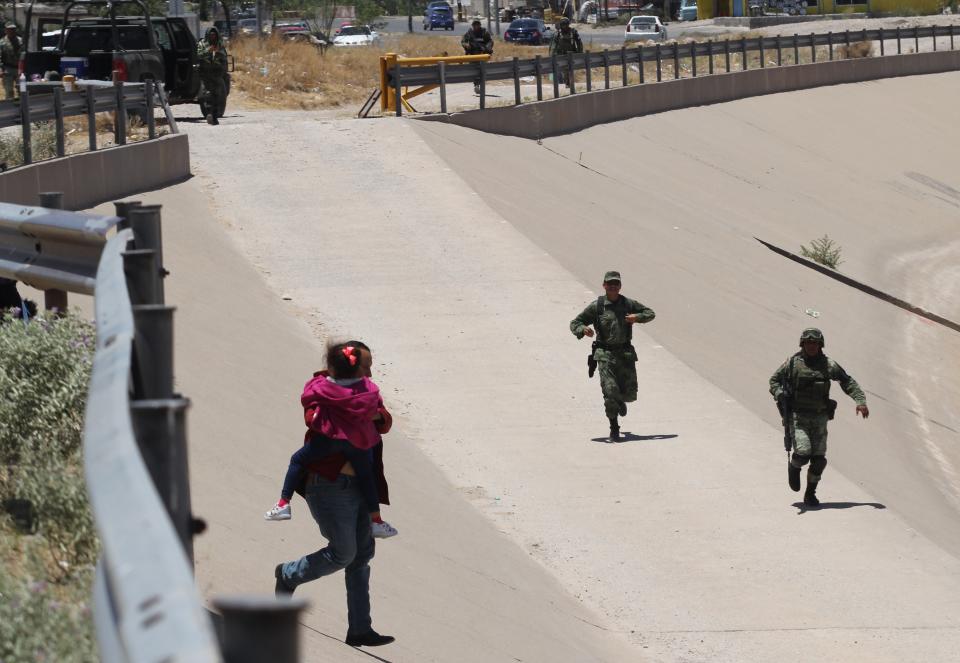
[477, 41]
[613, 317]
[804, 381]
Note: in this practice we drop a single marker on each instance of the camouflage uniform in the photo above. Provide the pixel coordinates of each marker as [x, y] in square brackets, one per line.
[563, 43]
[809, 380]
[477, 44]
[615, 356]
[213, 72]
[10, 48]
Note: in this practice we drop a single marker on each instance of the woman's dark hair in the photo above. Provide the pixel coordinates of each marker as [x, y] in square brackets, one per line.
[343, 360]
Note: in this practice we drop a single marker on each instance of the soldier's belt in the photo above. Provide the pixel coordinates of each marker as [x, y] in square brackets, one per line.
[615, 348]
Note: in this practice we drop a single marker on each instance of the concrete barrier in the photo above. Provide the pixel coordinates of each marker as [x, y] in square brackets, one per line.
[90, 178]
[575, 112]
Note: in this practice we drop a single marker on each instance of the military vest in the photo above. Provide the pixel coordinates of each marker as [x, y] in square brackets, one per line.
[811, 382]
[565, 43]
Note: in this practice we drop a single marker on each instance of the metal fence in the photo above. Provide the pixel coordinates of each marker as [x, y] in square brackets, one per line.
[669, 60]
[146, 606]
[44, 101]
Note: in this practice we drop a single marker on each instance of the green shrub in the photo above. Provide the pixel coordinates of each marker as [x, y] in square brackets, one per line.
[40, 620]
[43, 142]
[46, 575]
[823, 251]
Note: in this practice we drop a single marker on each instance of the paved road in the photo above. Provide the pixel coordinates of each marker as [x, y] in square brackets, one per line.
[595, 38]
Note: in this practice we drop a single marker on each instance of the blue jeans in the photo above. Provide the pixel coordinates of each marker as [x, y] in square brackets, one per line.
[338, 508]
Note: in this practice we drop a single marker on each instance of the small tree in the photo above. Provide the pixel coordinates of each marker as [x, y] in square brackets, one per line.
[823, 251]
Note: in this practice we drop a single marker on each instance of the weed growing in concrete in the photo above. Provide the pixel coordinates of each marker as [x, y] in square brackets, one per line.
[823, 251]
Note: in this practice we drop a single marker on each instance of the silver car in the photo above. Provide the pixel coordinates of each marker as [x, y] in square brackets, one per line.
[643, 28]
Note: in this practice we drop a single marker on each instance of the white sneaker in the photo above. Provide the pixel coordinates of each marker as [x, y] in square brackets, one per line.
[278, 513]
[383, 530]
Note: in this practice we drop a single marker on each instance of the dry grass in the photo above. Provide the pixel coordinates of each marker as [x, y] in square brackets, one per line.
[860, 49]
[281, 74]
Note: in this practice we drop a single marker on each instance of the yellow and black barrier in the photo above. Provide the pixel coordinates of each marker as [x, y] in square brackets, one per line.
[391, 62]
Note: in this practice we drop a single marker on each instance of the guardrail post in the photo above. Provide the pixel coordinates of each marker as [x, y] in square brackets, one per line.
[813, 47]
[145, 223]
[830, 46]
[160, 428]
[606, 69]
[120, 114]
[693, 58]
[398, 93]
[142, 276]
[916, 40]
[570, 74]
[25, 124]
[586, 66]
[148, 100]
[710, 56]
[881, 42]
[89, 92]
[796, 48]
[122, 209]
[516, 80]
[952, 27]
[640, 68]
[779, 51]
[58, 119]
[483, 84]
[846, 40]
[254, 629]
[53, 300]
[443, 87]
[898, 41]
[676, 61]
[658, 52]
[153, 351]
[556, 78]
[623, 62]
[726, 53]
[762, 55]
[743, 53]
[934, 28]
[538, 68]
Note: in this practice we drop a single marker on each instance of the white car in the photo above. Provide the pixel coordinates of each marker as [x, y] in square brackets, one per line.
[356, 35]
[642, 28]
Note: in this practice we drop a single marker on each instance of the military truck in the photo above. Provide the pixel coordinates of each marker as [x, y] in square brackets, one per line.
[94, 46]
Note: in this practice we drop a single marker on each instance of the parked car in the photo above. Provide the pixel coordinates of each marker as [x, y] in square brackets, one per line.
[642, 28]
[248, 27]
[688, 10]
[438, 16]
[356, 35]
[528, 31]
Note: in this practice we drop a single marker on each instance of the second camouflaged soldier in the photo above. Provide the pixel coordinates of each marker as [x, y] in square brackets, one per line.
[566, 40]
[802, 384]
[212, 58]
[613, 317]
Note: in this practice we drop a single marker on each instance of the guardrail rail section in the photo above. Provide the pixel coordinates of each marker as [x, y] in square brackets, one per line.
[398, 73]
[40, 102]
[146, 605]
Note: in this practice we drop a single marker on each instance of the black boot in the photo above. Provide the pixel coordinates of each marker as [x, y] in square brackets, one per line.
[810, 496]
[614, 430]
[793, 477]
[281, 589]
[623, 409]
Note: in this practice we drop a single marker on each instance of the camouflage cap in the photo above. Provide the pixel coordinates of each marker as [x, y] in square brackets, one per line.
[812, 334]
[611, 276]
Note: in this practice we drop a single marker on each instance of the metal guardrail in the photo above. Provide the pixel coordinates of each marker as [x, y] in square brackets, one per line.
[675, 54]
[46, 101]
[146, 605]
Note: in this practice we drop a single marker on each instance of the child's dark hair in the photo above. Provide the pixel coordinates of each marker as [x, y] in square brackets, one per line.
[343, 360]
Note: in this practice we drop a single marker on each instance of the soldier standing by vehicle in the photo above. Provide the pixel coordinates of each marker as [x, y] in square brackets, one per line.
[566, 40]
[212, 58]
[477, 41]
[613, 316]
[10, 48]
[802, 386]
